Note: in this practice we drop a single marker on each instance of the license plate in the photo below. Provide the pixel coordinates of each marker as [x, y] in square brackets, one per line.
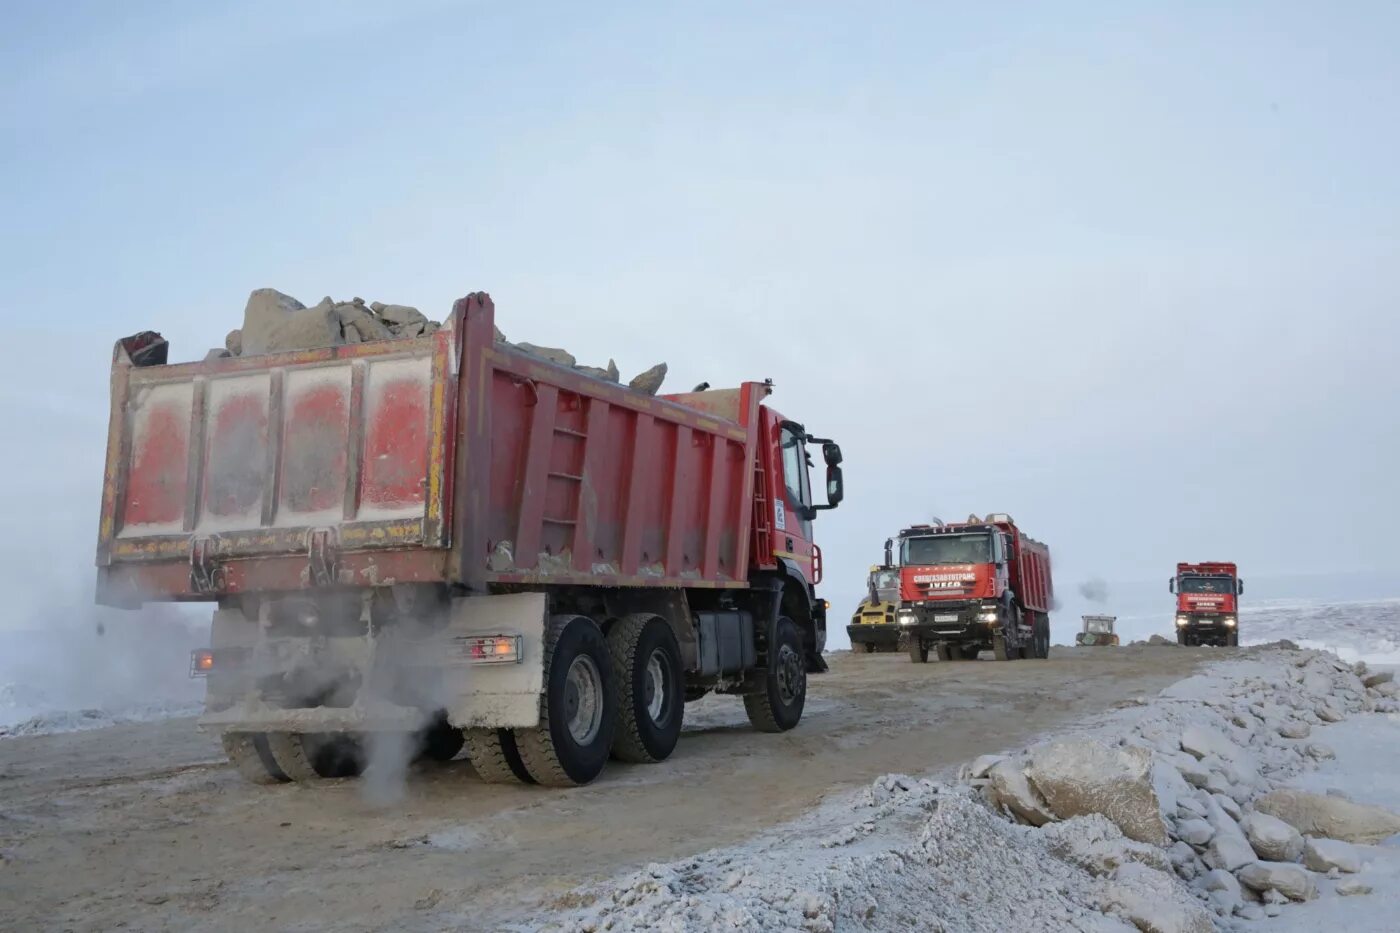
[945, 618]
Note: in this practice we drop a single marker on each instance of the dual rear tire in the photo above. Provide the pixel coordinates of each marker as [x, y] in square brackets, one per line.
[621, 695]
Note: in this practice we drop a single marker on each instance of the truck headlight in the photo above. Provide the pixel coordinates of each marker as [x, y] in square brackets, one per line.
[1228, 621]
[987, 615]
[906, 618]
[1182, 621]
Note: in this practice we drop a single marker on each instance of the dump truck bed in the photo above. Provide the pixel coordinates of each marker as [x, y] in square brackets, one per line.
[447, 458]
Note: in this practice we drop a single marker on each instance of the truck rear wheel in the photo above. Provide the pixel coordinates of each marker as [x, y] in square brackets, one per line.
[249, 753]
[1040, 637]
[778, 706]
[440, 740]
[309, 756]
[578, 709]
[650, 688]
[494, 757]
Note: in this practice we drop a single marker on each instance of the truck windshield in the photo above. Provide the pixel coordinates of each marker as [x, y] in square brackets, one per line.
[1098, 626]
[1206, 585]
[948, 549]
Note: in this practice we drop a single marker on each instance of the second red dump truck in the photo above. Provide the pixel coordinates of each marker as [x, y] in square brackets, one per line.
[1207, 603]
[447, 538]
[965, 587]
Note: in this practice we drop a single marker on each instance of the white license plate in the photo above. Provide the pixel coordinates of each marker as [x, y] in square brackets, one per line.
[945, 618]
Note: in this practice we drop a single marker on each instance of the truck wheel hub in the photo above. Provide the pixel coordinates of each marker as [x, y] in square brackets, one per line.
[654, 687]
[583, 700]
[790, 674]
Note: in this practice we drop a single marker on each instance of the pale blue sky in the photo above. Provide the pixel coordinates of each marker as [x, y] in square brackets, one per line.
[1127, 271]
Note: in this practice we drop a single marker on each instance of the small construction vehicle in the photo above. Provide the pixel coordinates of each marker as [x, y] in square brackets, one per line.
[1098, 632]
[873, 625]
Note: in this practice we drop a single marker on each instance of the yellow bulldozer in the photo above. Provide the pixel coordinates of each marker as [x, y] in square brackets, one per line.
[873, 626]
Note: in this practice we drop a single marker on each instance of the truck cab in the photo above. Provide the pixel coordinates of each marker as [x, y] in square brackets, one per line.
[874, 626]
[971, 586]
[1207, 603]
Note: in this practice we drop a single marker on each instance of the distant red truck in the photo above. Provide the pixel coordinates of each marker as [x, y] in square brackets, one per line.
[965, 587]
[1207, 603]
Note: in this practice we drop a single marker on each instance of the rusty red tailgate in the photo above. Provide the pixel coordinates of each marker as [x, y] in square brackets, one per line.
[330, 458]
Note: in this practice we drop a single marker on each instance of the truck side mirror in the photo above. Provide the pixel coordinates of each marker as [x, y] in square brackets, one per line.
[1239, 587]
[889, 552]
[835, 482]
[835, 486]
[1171, 585]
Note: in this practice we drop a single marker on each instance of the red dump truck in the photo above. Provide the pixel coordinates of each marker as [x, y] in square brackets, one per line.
[971, 586]
[1207, 603]
[449, 538]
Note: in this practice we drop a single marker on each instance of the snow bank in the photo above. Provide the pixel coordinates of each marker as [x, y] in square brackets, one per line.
[93, 667]
[1362, 631]
[1181, 772]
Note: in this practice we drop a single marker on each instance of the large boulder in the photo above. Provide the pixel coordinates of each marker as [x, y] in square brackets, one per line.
[1325, 855]
[1330, 817]
[355, 317]
[1096, 845]
[1149, 900]
[1195, 832]
[1377, 678]
[1223, 891]
[553, 354]
[1229, 849]
[273, 322]
[1272, 838]
[396, 316]
[1010, 788]
[1292, 881]
[1080, 776]
[649, 381]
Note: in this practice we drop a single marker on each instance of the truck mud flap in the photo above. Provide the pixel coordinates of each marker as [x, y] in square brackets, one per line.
[488, 693]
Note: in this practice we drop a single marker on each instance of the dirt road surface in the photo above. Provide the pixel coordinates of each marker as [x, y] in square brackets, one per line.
[146, 826]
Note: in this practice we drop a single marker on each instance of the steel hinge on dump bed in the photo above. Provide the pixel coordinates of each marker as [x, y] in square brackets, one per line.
[205, 575]
[320, 555]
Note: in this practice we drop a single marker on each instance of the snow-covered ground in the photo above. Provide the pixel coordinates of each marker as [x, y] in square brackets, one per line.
[1357, 631]
[89, 667]
[1159, 832]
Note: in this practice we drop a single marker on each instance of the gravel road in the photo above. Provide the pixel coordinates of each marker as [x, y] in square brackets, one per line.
[146, 826]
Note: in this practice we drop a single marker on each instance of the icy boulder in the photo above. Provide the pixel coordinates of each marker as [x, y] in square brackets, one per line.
[1292, 881]
[1330, 817]
[1080, 776]
[1147, 899]
[1010, 788]
[1272, 838]
[1328, 854]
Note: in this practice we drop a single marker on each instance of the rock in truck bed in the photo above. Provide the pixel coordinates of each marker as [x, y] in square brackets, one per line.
[275, 322]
